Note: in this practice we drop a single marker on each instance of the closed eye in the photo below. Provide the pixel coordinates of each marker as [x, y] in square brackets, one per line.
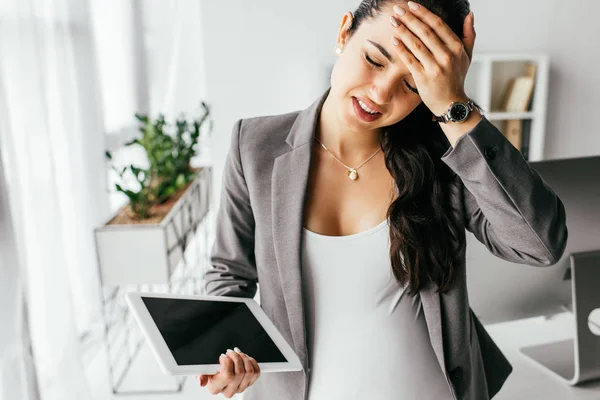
[412, 89]
[373, 64]
[370, 61]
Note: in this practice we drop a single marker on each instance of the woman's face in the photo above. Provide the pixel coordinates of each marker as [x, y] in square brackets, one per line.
[364, 73]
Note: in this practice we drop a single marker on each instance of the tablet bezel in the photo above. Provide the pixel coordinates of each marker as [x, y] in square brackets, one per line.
[164, 356]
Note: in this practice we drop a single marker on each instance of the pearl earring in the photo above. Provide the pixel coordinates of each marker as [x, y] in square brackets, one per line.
[338, 49]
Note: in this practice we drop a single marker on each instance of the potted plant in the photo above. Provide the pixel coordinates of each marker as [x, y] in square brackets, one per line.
[144, 241]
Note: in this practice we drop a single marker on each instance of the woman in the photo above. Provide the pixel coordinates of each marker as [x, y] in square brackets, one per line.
[378, 310]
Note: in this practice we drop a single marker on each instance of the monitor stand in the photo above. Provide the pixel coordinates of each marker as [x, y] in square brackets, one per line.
[575, 360]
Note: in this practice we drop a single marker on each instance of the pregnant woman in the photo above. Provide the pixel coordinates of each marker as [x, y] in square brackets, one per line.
[351, 214]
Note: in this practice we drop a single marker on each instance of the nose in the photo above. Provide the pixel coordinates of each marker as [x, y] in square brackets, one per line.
[381, 93]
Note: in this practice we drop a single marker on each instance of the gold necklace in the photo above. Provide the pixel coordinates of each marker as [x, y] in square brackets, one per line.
[352, 172]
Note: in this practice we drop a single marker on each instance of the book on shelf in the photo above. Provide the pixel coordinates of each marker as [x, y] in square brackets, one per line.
[518, 98]
[518, 132]
[513, 130]
[530, 71]
[519, 94]
[519, 91]
[526, 131]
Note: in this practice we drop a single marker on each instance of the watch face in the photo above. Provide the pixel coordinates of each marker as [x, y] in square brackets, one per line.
[459, 112]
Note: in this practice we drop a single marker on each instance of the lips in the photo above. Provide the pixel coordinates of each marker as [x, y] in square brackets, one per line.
[362, 114]
[369, 103]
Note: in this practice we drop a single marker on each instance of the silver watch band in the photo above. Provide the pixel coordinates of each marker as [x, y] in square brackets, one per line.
[445, 118]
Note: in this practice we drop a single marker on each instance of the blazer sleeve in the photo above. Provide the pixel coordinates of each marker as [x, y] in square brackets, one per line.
[233, 269]
[507, 205]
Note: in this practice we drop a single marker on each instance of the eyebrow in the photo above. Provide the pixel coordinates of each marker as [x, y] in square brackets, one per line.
[382, 50]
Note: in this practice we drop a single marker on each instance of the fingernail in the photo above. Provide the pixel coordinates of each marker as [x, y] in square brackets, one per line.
[229, 351]
[413, 6]
[394, 21]
[237, 350]
[399, 10]
[223, 355]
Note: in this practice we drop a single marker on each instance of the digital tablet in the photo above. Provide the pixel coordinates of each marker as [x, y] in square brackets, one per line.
[187, 334]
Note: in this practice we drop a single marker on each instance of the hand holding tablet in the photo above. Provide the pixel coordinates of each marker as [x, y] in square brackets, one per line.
[238, 372]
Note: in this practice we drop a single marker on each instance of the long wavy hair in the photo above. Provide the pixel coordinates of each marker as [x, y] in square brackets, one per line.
[424, 240]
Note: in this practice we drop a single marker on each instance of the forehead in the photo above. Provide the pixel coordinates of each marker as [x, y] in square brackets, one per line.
[379, 30]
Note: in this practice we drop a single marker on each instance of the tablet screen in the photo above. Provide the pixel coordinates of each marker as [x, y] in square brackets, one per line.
[198, 331]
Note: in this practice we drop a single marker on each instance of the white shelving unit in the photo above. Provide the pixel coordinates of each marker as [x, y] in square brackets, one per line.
[487, 80]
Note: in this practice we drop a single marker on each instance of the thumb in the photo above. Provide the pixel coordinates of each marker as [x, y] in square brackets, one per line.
[469, 34]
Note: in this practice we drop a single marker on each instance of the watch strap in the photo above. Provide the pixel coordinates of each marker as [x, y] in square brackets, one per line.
[445, 118]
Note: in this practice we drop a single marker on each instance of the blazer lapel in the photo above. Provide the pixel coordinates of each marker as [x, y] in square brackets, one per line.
[288, 190]
[289, 182]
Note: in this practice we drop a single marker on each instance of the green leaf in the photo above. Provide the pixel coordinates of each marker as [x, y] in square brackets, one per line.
[139, 173]
[135, 169]
[132, 142]
[141, 117]
[170, 191]
[180, 181]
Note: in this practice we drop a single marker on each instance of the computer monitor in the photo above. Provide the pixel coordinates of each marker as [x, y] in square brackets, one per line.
[500, 290]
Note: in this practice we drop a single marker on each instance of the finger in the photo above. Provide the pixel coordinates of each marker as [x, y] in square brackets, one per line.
[421, 38]
[414, 66]
[469, 34]
[415, 46]
[249, 374]
[238, 376]
[256, 370]
[219, 381]
[445, 34]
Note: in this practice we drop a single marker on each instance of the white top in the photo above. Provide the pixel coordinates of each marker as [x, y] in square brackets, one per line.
[366, 338]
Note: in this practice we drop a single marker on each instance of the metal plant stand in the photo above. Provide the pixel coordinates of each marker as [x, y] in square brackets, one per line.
[122, 337]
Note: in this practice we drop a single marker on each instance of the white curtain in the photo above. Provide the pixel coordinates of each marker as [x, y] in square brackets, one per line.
[51, 137]
[174, 55]
[73, 73]
[17, 376]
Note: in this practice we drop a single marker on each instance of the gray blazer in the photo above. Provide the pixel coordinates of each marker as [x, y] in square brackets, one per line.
[496, 195]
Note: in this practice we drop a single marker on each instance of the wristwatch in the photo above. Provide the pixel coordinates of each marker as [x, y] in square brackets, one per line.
[458, 112]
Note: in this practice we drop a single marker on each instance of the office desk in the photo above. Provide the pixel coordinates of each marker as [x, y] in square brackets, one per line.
[528, 381]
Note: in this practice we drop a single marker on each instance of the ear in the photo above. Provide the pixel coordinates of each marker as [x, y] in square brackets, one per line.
[346, 23]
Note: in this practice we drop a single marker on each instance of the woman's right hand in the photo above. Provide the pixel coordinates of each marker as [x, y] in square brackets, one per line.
[238, 372]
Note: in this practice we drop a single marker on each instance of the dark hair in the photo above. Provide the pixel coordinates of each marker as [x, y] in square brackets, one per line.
[425, 245]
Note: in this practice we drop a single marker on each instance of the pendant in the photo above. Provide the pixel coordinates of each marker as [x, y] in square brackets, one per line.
[352, 174]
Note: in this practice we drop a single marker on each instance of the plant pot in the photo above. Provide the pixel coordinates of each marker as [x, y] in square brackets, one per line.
[148, 253]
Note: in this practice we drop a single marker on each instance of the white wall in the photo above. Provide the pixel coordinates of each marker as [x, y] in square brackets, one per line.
[264, 57]
[269, 56]
[568, 32]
